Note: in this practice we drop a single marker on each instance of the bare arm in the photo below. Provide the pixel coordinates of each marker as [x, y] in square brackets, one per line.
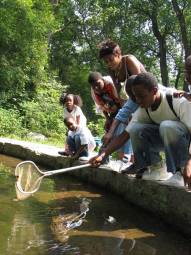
[107, 137]
[187, 174]
[78, 120]
[134, 66]
[115, 144]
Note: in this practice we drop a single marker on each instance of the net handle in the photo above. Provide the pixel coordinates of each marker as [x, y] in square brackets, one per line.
[52, 172]
[59, 171]
[26, 194]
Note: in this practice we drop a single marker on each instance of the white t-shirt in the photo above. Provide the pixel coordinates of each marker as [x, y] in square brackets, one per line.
[85, 137]
[181, 106]
[74, 113]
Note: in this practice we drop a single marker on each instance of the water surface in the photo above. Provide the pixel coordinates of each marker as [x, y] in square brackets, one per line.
[69, 217]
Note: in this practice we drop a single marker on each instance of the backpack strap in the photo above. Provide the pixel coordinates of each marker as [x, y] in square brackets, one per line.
[150, 117]
[169, 100]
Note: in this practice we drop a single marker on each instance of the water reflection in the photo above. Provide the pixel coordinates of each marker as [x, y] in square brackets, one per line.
[25, 236]
[68, 217]
[61, 224]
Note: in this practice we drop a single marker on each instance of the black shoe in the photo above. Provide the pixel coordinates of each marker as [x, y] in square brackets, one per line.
[63, 153]
[132, 169]
[140, 172]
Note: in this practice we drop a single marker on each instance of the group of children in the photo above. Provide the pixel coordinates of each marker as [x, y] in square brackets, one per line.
[154, 118]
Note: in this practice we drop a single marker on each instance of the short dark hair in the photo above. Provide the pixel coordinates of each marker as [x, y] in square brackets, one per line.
[68, 119]
[94, 76]
[146, 79]
[108, 47]
[128, 86]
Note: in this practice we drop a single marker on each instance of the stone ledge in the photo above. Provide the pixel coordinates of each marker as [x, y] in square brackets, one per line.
[172, 204]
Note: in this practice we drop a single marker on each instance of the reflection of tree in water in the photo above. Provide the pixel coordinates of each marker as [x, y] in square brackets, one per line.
[26, 236]
[93, 234]
[26, 227]
[23, 228]
[61, 224]
[65, 227]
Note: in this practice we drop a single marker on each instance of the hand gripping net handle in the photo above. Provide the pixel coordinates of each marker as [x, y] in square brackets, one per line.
[29, 177]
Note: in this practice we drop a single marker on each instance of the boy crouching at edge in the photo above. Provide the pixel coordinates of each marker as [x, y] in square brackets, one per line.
[80, 142]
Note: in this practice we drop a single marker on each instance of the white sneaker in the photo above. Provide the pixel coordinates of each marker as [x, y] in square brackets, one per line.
[157, 172]
[83, 159]
[118, 165]
[175, 180]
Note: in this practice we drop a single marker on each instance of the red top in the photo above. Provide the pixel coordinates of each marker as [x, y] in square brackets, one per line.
[108, 100]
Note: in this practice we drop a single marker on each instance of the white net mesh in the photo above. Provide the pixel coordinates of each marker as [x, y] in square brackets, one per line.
[28, 179]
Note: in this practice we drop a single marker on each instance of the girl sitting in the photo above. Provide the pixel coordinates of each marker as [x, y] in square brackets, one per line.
[72, 109]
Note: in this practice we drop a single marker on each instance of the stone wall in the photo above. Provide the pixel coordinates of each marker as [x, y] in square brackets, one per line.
[172, 204]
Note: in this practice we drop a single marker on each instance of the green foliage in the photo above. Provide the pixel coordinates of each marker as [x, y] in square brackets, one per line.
[11, 123]
[24, 28]
[44, 114]
[45, 39]
[96, 127]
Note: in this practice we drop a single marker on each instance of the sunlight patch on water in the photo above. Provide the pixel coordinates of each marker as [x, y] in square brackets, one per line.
[125, 234]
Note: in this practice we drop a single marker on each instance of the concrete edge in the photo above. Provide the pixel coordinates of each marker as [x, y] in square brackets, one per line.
[172, 204]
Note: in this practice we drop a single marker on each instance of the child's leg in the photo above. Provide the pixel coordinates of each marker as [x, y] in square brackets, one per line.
[176, 139]
[71, 144]
[126, 149]
[146, 143]
[84, 153]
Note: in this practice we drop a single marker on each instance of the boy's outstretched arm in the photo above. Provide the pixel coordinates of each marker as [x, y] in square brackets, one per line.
[108, 136]
[115, 144]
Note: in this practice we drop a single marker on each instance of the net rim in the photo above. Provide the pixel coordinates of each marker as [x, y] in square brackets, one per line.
[18, 186]
[28, 162]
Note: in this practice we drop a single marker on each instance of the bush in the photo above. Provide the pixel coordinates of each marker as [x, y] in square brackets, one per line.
[11, 123]
[44, 114]
[96, 127]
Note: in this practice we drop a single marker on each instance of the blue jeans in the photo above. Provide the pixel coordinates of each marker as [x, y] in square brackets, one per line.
[127, 147]
[74, 143]
[148, 140]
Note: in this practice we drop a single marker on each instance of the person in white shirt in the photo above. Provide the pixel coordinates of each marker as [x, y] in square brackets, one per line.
[80, 141]
[157, 126]
[72, 108]
[187, 169]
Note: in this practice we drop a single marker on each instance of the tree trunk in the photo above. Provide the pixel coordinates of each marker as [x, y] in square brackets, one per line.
[183, 30]
[163, 62]
[162, 49]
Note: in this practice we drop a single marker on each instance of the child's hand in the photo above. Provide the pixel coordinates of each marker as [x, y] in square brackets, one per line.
[96, 161]
[187, 95]
[187, 174]
[181, 93]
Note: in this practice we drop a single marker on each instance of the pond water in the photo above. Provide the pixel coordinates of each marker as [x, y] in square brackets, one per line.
[69, 217]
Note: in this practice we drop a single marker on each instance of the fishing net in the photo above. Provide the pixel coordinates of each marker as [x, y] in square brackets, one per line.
[28, 179]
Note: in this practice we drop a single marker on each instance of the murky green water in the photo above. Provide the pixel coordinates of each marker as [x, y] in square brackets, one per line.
[69, 217]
